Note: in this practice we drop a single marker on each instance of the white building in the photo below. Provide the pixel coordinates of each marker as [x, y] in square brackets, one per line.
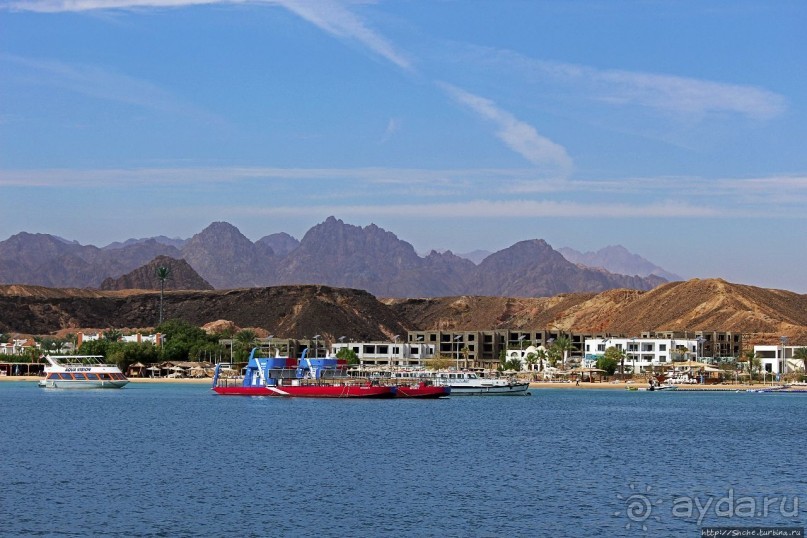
[400, 354]
[641, 353]
[16, 346]
[522, 354]
[771, 358]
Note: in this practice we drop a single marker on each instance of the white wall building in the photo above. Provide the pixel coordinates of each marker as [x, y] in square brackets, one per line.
[16, 346]
[400, 354]
[641, 353]
[523, 353]
[771, 358]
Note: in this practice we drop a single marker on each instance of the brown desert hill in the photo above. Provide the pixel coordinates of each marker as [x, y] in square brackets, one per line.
[304, 311]
[181, 277]
[284, 311]
[694, 305]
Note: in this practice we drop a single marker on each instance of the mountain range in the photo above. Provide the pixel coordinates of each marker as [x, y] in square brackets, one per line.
[331, 253]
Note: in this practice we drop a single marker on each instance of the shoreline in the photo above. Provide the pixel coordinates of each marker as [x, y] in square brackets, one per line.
[534, 385]
[682, 388]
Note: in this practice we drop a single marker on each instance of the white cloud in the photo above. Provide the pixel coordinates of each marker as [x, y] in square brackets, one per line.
[516, 134]
[328, 15]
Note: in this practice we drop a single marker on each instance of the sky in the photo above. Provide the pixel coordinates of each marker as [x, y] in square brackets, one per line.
[673, 128]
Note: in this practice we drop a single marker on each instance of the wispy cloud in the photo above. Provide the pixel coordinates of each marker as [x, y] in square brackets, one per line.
[505, 209]
[782, 196]
[335, 19]
[330, 16]
[663, 92]
[687, 95]
[100, 83]
[516, 134]
[58, 6]
[63, 177]
[393, 126]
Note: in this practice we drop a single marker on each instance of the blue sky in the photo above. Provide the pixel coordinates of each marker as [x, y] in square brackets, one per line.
[674, 128]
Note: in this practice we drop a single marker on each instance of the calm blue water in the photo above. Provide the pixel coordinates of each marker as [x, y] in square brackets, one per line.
[177, 460]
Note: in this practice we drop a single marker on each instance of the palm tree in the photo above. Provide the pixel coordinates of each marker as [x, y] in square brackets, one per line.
[563, 345]
[245, 338]
[163, 273]
[113, 335]
[751, 357]
[540, 354]
[531, 359]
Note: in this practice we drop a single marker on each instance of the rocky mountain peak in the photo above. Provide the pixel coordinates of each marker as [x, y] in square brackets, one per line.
[181, 277]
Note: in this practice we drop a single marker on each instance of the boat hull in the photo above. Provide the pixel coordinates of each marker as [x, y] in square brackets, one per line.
[75, 384]
[422, 391]
[516, 389]
[311, 391]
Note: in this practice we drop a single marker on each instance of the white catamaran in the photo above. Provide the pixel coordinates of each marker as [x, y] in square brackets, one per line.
[81, 372]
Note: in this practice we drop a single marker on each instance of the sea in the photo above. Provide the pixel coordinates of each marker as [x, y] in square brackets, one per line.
[172, 460]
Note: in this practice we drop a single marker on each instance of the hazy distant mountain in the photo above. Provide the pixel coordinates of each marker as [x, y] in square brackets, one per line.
[280, 243]
[181, 277]
[534, 269]
[617, 259]
[175, 242]
[47, 260]
[331, 253]
[476, 256]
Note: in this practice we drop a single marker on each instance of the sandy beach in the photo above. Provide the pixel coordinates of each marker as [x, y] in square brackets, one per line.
[624, 386]
[203, 381]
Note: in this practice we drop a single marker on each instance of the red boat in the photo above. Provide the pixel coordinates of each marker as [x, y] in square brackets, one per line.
[422, 390]
[306, 378]
[310, 391]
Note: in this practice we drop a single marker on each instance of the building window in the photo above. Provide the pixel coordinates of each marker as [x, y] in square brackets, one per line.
[662, 347]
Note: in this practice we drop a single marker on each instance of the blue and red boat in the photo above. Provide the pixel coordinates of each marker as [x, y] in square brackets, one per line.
[310, 378]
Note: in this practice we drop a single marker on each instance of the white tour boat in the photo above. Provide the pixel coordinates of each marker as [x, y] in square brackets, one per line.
[468, 383]
[81, 372]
